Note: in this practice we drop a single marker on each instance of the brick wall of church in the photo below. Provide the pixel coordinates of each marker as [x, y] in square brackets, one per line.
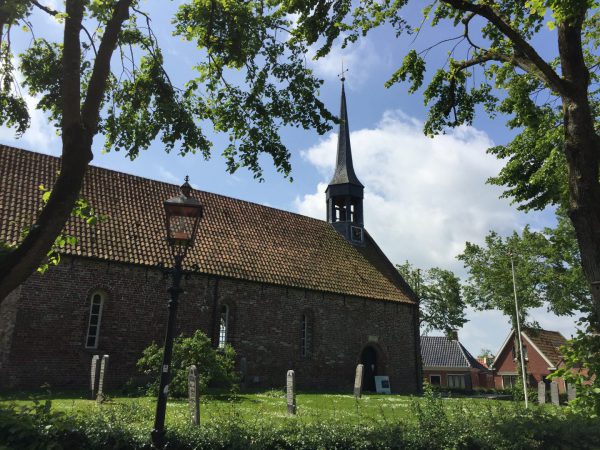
[48, 341]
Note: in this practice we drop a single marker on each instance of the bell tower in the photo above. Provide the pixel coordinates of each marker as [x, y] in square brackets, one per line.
[345, 193]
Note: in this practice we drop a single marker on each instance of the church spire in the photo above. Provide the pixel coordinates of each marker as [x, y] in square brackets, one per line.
[344, 169]
[345, 192]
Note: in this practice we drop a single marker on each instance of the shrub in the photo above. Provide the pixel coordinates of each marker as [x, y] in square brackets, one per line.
[438, 424]
[216, 367]
[37, 427]
[581, 357]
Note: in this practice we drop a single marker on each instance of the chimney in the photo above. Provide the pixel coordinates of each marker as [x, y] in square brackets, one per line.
[452, 335]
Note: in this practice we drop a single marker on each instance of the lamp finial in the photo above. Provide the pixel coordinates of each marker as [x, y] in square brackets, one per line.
[185, 188]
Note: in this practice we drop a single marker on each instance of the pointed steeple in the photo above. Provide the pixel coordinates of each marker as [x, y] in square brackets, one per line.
[344, 169]
[345, 192]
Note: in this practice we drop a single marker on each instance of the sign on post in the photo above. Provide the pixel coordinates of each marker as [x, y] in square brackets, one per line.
[382, 385]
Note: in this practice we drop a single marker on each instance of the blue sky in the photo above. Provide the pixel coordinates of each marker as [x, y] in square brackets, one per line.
[424, 197]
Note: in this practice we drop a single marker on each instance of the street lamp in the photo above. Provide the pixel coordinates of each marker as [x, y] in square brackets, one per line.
[512, 267]
[183, 213]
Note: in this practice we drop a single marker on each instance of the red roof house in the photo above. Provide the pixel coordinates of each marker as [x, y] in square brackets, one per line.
[542, 357]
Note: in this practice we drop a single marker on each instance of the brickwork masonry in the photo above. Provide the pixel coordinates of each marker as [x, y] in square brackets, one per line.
[44, 324]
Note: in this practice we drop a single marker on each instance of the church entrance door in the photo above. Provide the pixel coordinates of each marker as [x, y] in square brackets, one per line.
[368, 359]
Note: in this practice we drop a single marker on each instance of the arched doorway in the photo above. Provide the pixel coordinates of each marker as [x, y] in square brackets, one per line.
[368, 359]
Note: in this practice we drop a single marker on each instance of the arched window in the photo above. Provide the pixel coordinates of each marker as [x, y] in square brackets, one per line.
[223, 325]
[93, 329]
[306, 335]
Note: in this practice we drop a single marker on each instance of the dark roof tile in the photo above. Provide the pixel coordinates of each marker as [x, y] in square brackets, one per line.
[441, 351]
[236, 239]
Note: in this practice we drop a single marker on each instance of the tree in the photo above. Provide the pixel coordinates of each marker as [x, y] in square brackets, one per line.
[107, 76]
[551, 100]
[485, 353]
[441, 305]
[547, 272]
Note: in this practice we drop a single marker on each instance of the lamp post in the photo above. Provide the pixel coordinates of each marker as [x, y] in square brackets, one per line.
[183, 213]
[512, 266]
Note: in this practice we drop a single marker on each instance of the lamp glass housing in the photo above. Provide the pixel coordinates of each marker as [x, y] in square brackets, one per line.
[183, 213]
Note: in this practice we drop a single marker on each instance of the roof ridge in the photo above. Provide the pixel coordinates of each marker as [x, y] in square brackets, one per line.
[462, 351]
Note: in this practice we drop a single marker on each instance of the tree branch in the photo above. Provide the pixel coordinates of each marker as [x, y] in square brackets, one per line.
[54, 13]
[50, 11]
[97, 86]
[71, 85]
[531, 61]
[466, 22]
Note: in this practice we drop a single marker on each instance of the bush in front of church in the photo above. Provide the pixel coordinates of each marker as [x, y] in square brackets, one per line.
[216, 367]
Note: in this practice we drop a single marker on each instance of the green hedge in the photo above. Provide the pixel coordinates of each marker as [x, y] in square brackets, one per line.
[436, 425]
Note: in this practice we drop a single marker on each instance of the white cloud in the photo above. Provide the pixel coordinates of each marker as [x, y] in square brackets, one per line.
[424, 198]
[40, 136]
[168, 176]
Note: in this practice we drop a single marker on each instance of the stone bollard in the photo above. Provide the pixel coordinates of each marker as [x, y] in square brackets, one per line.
[541, 392]
[194, 395]
[291, 392]
[554, 393]
[358, 379]
[103, 368]
[571, 392]
[94, 375]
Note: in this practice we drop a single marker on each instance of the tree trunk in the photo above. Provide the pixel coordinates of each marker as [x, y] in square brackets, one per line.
[582, 151]
[18, 265]
[79, 125]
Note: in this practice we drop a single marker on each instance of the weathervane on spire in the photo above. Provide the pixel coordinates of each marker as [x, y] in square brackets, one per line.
[341, 75]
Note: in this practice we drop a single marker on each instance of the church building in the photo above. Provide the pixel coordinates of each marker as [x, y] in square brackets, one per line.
[285, 290]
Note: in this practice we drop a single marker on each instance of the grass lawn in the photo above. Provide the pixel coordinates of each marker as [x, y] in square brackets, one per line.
[252, 407]
[324, 421]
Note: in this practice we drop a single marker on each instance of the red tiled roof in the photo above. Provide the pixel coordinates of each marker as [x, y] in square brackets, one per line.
[237, 239]
[548, 342]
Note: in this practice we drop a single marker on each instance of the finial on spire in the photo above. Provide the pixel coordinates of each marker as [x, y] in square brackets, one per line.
[341, 75]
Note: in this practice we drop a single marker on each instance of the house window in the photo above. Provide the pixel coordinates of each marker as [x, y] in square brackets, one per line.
[305, 335]
[223, 325]
[514, 353]
[509, 381]
[456, 381]
[435, 380]
[93, 330]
